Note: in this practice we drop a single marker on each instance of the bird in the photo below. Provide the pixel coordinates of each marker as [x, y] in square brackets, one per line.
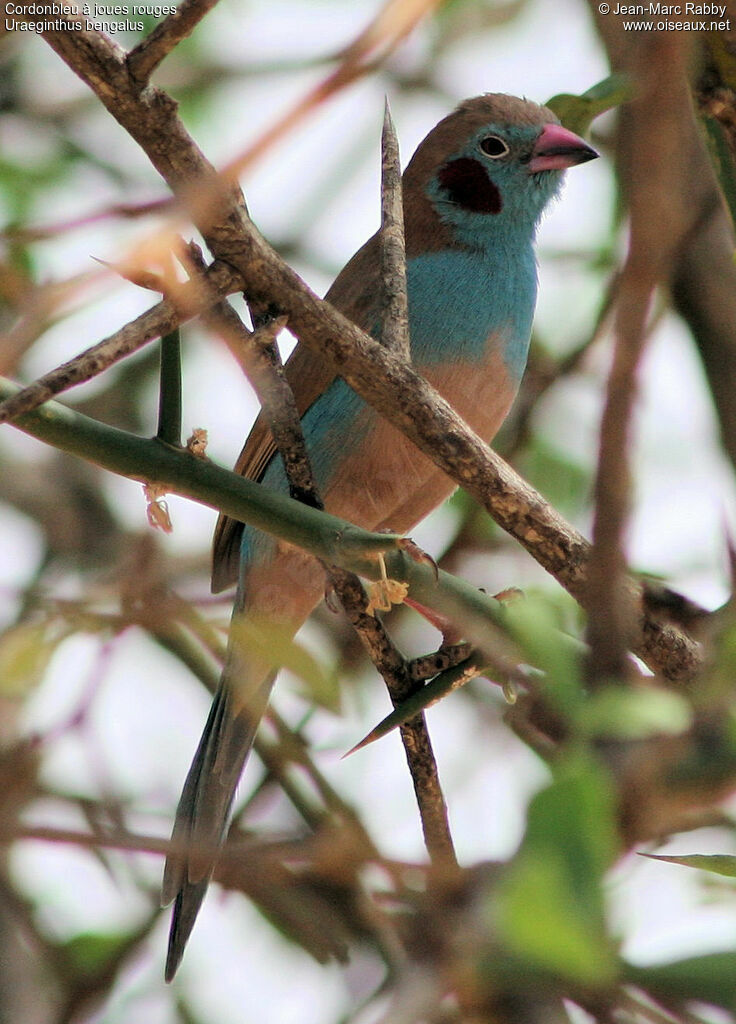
[473, 195]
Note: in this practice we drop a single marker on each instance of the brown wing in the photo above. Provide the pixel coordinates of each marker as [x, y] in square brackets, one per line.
[355, 293]
[304, 369]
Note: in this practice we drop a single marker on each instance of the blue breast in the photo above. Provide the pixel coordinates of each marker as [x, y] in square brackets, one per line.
[457, 300]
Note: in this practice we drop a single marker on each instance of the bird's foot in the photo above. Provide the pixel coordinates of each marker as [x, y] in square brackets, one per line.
[418, 554]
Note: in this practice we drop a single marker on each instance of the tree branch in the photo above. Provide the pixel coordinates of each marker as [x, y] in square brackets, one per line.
[156, 322]
[150, 461]
[143, 59]
[657, 224]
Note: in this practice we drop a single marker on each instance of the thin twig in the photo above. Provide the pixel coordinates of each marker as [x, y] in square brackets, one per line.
[169, 404]
[115, 840]
[395, 311]
[448, 656]
[127, 211]
[390, 26]
[422, 697]
[147, 55]
[258, 357]
[414, 734]
[656, 225]
[154, 323]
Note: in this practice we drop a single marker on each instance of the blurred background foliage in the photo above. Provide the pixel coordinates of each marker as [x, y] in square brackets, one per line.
[110, 640]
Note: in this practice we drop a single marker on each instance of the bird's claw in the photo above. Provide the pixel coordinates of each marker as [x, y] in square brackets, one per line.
[418, 555]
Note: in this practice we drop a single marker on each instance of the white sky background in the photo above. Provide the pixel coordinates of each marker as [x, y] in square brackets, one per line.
[236, 968]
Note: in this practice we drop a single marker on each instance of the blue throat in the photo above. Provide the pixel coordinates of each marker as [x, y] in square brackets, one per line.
[459, 297]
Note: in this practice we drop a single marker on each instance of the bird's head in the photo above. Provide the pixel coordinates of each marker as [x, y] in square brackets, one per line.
[495, 162]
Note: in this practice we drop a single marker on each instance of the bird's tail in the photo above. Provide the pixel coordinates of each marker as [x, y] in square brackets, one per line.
[204, 805]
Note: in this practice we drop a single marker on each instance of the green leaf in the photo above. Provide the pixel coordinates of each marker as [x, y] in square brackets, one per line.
[25, 651]
[563, 482]
[532, 624]
[551, 909]
[543, 922]
[712, 103]
[715, 863]
[578, 112]
[90, 952]
[577, 812]
[616, 712]
[721, 54]
[709, 979]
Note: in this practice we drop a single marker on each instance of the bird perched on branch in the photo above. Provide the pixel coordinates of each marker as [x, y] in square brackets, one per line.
[473, 195]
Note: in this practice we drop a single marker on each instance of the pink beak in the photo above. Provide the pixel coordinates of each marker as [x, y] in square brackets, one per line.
[557, 148]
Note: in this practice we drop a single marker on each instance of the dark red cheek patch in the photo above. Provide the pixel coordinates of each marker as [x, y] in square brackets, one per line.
[467, 184]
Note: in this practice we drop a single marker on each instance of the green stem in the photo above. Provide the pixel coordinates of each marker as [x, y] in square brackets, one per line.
[169, 399]
[178, 471]
[326, 536]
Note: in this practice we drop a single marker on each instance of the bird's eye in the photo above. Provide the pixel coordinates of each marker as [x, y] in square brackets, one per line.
[494, 147]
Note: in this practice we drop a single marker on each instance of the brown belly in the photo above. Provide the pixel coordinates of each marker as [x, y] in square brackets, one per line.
[394, 486]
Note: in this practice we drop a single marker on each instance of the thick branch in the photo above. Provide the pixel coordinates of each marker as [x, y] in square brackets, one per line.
[151, 461]
[703, 272]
